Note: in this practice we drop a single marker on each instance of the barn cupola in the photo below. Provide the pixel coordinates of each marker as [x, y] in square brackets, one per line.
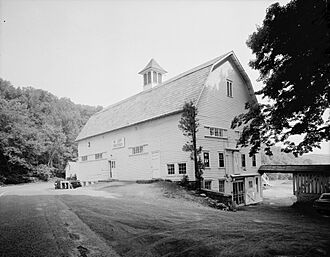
[152, 74]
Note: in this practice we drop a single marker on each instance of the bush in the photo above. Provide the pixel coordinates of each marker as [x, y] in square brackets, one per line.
[16, 179]
[44, 172]
[184, 181]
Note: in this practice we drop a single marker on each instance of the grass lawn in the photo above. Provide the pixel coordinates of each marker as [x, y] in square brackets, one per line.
[163, 220]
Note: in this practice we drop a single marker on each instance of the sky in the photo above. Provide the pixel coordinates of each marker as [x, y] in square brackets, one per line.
[91, 51]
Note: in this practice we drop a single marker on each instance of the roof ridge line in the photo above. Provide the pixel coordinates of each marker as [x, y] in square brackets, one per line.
[179, 76]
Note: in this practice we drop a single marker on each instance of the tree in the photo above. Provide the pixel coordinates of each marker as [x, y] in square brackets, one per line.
[292, 50]
[37, 132]
[189, 126]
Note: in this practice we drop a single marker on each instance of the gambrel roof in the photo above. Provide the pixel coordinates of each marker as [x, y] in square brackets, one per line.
[162, 100]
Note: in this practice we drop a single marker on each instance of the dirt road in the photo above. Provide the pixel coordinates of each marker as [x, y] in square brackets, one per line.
[34, 221]
[149, 220]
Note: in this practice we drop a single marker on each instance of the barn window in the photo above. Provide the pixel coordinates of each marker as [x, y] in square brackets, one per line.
[149, 77]
[98, 156]
[84, 158]
[254, 161]
[159, 78]
[222, 185]
[250, 184]
[221, 160]
[206, 156]
[182, 168]
[89, 144]
[217, 132]
[243, 160]
[229, 88]
[170, 169]
[137, 149]
[207, 184]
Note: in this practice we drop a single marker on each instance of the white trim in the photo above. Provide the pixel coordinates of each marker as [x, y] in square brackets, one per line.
[242, 73]
[215, 137]
[167, 169]
[144, 153]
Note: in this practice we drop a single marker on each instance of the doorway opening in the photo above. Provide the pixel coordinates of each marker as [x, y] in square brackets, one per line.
[238, 192]
[112, 166]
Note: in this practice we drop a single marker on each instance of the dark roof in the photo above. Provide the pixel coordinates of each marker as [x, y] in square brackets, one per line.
[153, 65]
[320, 168]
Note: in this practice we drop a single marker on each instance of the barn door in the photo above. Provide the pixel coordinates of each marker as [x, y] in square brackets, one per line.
[155, 163]
[238, 192]
[112, 165]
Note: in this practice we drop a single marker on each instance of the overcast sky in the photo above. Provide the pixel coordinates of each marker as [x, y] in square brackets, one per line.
[92, 51]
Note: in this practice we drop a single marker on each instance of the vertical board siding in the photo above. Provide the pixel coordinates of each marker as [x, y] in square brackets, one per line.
[305, 183]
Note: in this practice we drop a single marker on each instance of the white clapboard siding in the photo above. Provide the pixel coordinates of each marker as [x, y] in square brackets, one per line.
[216, 109]
[161, 135]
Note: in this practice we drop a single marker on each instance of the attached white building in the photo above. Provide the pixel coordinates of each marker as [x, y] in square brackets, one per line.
[138, 138]
[71, 169]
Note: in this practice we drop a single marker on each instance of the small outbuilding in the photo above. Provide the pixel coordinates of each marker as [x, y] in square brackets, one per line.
[309, 181]
[71, 170]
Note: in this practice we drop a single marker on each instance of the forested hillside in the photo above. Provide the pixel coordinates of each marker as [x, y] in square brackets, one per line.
[282, 158]
[37, 132]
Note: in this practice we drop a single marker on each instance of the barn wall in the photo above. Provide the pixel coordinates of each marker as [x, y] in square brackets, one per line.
[216, 109]
[161, 135]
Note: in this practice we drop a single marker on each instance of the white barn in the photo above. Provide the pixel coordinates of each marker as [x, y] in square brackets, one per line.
[138, 138]
[71, 169]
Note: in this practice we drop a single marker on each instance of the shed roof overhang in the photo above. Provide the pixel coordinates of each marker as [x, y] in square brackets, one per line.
[244, 175]
[316, 169]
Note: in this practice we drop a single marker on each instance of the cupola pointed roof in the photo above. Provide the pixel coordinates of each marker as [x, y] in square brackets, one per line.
[153, 65]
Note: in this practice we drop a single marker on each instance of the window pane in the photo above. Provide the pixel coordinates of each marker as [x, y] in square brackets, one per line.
[229, 88]
[243, 160]
[170, 169]
[221, 186]
[254, 161]
[206, 160]
[182, 168]
[208, 184]
[212, 131]
[217, 132]
[221, 160]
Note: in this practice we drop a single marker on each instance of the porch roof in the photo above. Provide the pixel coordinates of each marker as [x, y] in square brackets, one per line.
[244, 175]
[319, 168]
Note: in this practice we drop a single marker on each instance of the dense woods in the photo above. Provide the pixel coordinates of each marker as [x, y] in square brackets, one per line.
[37, 132]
